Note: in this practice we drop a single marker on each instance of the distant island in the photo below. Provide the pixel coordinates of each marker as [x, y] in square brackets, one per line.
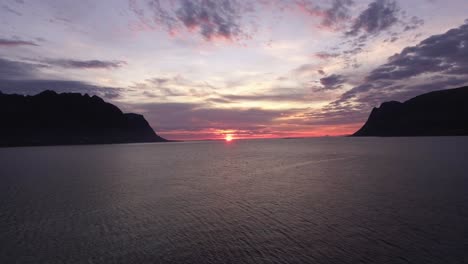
[439, 113]
[50, 118]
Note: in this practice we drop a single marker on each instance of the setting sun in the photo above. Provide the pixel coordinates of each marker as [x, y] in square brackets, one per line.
[228, 137]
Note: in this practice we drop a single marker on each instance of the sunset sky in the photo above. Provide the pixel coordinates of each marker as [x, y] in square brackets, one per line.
[201, 69]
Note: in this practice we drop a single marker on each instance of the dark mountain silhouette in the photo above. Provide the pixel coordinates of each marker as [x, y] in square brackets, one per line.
[49, 118]
[440, 113]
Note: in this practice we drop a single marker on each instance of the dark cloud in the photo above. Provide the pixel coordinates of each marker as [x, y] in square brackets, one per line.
[446, 53]
[271, 96]
[211, 18]
[332, 82]
[257, 97]
[331, 118]
[337, 13]
[24, 78]
[30, 87]
[175, 86]
[333, 17]
[278, 94]
[414, 23]
[236, 19]
[379, 16]
[17, 70]
[20, 70]
[195, 117]
[364, 97]
[11, 10]
[437, 83]
[326, 55]
[438, 62]
[229, 19]
[84, 64]
[16, 42]
[305, 69]
[159, 81]
[217, 18]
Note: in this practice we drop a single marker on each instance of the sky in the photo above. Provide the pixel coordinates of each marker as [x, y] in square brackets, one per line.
[202, 69]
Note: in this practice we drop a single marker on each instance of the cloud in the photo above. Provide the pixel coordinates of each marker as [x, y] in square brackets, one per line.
[175, 86]
[199, 121]
[275, 95]
[332, 82]
[332, 17]
[332, 118]
[84, 64]
[326, 55]
[414, 23]
[264, 97]
[337, 13]
[238, 19]
[438, 62]
[17, 70]
[20, 70]
[446, 53]
[212, 19]
[379, 16]
[190, 116]
[306, 69]
[192, 120]
[11, 10]
[30, 87]
[217, 18]
[16, 43]
[25, 78]
[179, 88]
[229, 19]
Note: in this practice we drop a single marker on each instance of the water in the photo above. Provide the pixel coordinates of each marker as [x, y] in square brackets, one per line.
[329, 200]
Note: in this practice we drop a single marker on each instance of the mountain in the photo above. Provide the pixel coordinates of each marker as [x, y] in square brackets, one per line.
[49, 118]
[439, 113]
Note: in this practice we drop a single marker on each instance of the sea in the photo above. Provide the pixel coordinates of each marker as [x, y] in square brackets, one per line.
[317, 200]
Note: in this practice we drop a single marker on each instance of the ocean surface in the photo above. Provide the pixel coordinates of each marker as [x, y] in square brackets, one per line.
[323, 200]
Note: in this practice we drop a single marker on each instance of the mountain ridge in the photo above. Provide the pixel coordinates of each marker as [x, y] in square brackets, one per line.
[437, 113]
[50, 118]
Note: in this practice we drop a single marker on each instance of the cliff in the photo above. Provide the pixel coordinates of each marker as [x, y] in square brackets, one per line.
[49, 118]
[439, 113]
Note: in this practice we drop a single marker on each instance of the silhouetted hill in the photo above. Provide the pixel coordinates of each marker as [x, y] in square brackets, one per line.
[440, 113]
[49, 118]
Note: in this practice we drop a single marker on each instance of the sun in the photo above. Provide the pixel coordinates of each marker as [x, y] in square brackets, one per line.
[228, 138]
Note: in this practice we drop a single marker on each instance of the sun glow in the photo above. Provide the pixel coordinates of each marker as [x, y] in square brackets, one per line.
[228, 138]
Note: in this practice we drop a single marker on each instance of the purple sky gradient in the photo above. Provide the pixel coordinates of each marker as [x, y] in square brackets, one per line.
[269, 68]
